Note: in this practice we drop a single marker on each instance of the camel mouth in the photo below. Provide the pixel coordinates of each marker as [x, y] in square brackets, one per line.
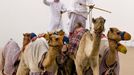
[125, 36]
[100, 30]
[121, 48]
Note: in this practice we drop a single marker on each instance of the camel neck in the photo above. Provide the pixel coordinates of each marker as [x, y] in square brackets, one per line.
[112, 45]
[111, 58]
[96, 43]
[54, 49]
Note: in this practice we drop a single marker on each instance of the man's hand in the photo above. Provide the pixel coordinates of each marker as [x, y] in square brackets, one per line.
[61, 12]
[91, 6]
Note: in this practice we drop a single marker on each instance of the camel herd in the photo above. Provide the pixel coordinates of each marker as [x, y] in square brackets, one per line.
[88, 59]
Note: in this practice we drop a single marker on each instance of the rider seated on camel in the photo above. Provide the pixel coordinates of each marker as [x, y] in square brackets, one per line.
[33, 37]
[77, 28]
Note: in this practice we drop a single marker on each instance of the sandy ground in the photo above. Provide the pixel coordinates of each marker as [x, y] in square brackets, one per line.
[127, 62]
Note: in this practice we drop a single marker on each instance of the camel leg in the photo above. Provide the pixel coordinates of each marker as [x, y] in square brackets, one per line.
[56, 73]
[78, 68]
[55, 68]
[95, 65]
[22, 68]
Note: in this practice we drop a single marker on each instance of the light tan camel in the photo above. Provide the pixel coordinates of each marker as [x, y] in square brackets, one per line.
[110, 60]
[87, 55]
[26, 40]
[55, 46]
[23, 69]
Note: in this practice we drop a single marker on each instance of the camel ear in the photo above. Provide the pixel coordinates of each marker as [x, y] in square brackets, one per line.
[93, 20]
[111, 29]
[104, 20]
[29, 34]
[49, 33]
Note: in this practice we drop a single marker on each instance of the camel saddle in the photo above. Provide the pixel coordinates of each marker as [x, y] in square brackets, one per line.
[74, 40]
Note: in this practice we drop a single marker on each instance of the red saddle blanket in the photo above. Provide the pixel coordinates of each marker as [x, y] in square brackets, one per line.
[74, 40]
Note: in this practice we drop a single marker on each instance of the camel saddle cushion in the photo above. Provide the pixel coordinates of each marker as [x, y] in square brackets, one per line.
[74, 40]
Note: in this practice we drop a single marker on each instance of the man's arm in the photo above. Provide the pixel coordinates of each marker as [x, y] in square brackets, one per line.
[90, 1]
[63, 9]
[46, 2]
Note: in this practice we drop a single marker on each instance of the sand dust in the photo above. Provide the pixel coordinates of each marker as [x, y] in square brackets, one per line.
[127, 62]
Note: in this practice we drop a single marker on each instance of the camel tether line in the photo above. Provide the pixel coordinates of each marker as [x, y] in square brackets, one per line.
[90, 13]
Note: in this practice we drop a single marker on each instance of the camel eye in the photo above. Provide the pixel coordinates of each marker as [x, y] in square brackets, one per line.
[56, 39]
[118, 33]
[50, 38]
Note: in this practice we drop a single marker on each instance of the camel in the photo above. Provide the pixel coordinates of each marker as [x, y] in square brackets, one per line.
[23, 69]
[1, 60]
[48, 62]
[87, 55]
[26, 40]
[110, 60]
[65, 64]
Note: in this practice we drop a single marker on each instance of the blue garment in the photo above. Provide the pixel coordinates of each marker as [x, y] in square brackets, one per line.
[33, 35]
[65, 40]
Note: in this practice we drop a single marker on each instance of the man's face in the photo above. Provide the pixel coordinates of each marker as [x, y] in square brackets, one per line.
[56, 0]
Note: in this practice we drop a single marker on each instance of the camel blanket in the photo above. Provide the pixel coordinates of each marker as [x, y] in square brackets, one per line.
[74, 40]
[109, 70]
[10, 55]
[33, 54]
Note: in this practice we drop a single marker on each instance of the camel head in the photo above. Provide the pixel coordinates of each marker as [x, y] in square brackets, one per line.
[116, 35]
[61, 33]
[98, 24]
[26, 38]
[56, 41]
[47, 36]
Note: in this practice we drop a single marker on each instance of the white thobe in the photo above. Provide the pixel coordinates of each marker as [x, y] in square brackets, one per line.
[56, 21]
[78, 14]
[33, 54]
[10, 55]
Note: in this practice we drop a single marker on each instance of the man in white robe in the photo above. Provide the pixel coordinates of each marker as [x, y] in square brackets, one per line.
[32, 56]
[57, 8]
[79, 13]
[10, 55]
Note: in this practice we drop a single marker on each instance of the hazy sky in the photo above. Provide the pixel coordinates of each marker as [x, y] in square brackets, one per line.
[20, 16]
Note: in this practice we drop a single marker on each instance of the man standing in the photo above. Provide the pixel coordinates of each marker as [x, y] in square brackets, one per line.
[79, 13]
[57, 8]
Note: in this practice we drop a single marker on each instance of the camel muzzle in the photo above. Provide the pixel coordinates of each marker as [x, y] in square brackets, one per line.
[125, 36]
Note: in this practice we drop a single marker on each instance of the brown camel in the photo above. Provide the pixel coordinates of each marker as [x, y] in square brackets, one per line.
[110, 60]
[65, 64]
[55, 46]
[87, 55]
